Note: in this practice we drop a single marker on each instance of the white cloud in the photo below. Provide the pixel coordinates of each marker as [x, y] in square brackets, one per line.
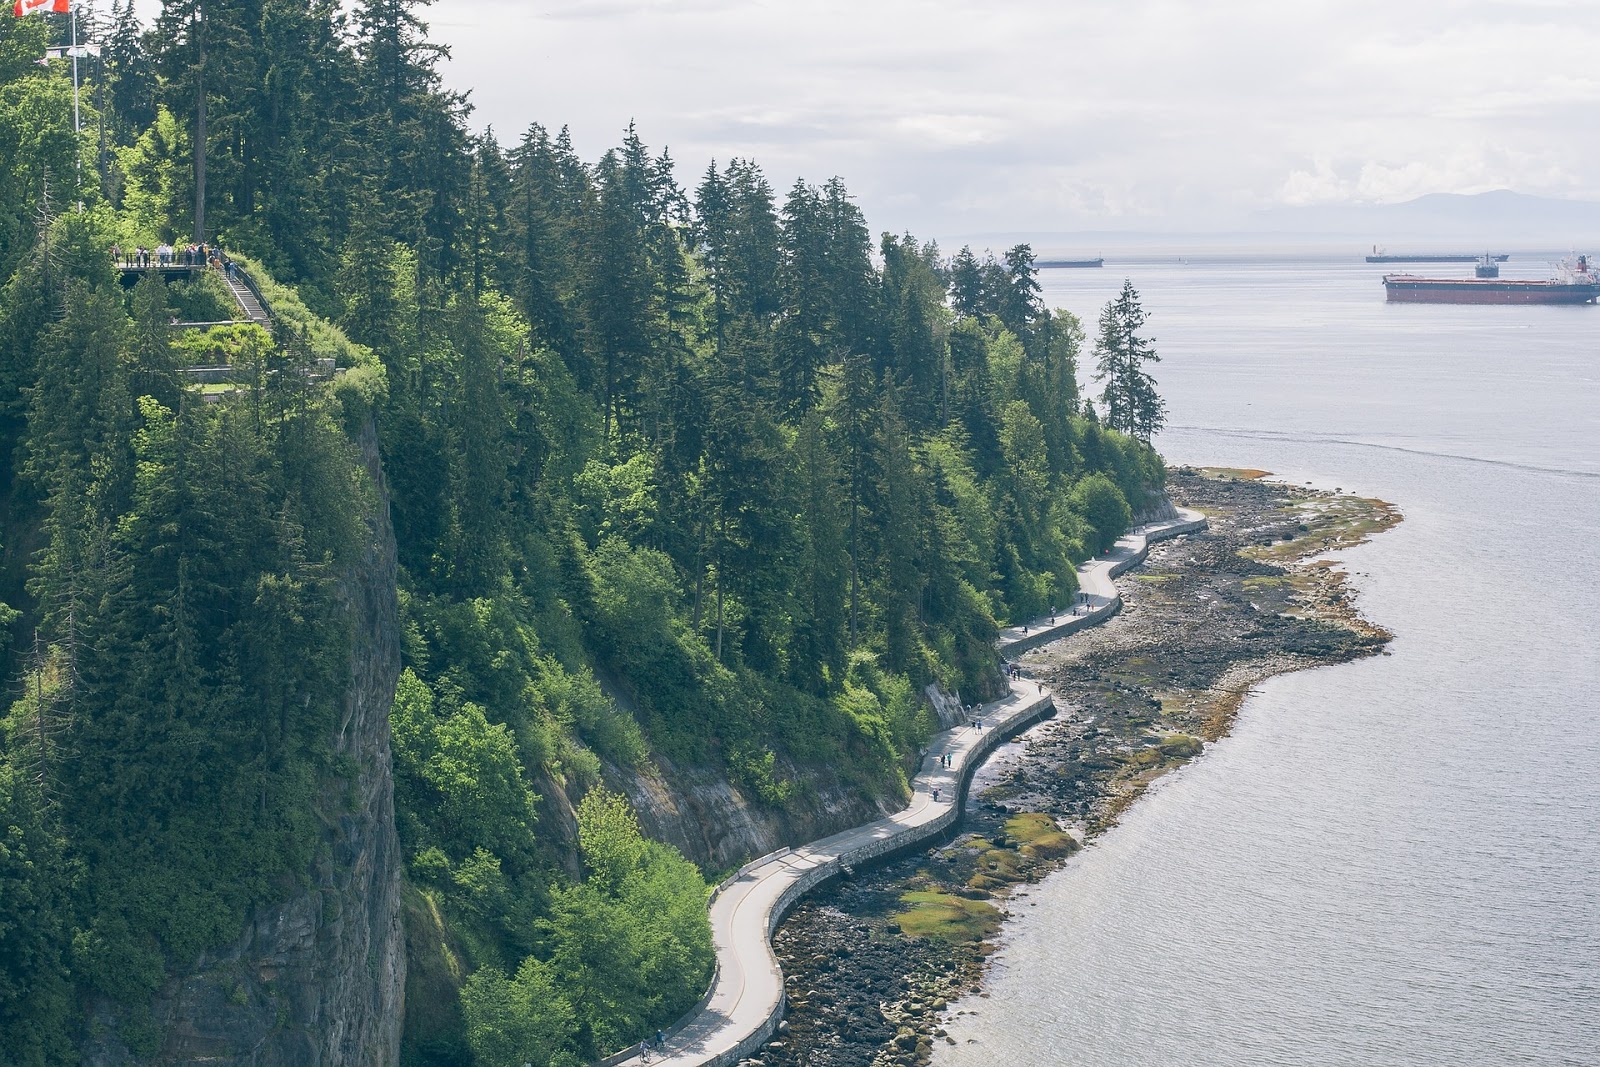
[957, 116]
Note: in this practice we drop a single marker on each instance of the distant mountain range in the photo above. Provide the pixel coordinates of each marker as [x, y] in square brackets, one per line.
[1496, 218]
[1501, 220]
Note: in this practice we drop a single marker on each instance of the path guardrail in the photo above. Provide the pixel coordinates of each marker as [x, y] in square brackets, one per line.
[725, 1026]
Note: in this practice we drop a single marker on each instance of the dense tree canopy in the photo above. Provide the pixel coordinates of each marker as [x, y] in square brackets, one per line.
[701, 477]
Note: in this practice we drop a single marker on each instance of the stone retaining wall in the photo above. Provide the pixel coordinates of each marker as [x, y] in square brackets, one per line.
[1073, 624]
[901, 837]
[905, 837]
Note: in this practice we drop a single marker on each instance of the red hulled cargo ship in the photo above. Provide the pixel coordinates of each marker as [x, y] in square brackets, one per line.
[1575, 283]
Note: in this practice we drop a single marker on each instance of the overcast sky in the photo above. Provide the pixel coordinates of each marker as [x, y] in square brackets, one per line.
[948, 117]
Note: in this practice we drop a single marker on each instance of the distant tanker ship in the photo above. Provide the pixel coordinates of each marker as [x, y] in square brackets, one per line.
[1575, 283]
[1380, 256]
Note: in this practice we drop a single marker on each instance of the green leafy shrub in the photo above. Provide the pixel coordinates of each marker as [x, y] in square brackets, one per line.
[519, 1020]
[1101, 504]
[629, 950]
[203, 297]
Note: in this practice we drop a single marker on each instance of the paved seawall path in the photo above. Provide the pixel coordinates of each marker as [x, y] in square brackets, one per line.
[742, 1009]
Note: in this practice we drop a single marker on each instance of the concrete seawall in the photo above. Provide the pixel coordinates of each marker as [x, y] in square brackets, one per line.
[1100, 597]
[741, 1010]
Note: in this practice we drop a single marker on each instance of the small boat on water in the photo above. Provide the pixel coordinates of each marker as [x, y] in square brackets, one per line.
[1575, 282]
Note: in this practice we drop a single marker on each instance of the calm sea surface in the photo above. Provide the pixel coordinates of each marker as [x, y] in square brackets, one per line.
[1395, 861]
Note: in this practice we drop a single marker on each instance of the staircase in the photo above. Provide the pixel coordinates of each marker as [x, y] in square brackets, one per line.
[246, 298]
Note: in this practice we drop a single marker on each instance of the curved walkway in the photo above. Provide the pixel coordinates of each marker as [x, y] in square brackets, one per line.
[746, 1000]
[1098, 598]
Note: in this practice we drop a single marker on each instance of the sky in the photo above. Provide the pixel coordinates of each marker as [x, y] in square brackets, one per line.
[947, 117]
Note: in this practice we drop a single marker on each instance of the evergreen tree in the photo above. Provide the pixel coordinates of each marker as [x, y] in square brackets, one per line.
[896, 534]
[130, 79]
[723, 465]
[548, 190]
[966, 284]
[1018, 303]
[806, 340]
[411, 130]
[754, 252]
[818, 656]
[38, 880]
[1131, 402]
[916, 350]
[852, 281]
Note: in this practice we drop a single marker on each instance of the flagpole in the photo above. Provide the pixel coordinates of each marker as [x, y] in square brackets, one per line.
[77, 122]
[77, 126]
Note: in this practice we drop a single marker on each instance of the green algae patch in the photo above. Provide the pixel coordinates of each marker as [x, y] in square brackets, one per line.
[1233, 474]
[1180, 746]
[947, 918]
[1019, 852]
[1039, 837]
[1328, 522]
[997, 867]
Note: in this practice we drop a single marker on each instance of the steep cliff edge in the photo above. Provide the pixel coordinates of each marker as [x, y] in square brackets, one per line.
[319, 979]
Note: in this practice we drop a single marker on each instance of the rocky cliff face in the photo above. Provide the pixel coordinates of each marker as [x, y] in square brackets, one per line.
[318, 980]
[1155, 507]
[710, 820]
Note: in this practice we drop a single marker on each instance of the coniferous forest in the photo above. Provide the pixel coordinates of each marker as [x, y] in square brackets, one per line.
[685, 472]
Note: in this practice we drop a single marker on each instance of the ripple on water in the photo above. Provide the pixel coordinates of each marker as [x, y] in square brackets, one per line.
[1393, 861]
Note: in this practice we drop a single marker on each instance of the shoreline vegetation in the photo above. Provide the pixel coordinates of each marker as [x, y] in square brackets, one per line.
[569, 530]
[873, 964]
[747, 998]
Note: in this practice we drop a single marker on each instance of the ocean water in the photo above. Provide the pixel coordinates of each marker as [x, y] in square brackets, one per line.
[1394, 861]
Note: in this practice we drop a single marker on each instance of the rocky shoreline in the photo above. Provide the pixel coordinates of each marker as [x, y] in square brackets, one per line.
[871, 963]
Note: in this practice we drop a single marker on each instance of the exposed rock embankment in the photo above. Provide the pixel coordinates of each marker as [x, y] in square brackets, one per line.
[318, 980]
[871, 964]
[713, 822]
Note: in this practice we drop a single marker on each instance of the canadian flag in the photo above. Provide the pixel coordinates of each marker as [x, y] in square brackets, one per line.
[28, 7]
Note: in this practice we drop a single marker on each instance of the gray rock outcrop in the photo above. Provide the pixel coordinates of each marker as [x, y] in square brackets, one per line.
[319, 979]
